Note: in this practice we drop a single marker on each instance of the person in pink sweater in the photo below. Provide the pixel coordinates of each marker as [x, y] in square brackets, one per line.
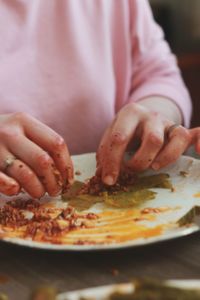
[80, 76]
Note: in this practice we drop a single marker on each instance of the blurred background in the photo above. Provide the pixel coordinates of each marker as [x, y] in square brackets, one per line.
[180, 20]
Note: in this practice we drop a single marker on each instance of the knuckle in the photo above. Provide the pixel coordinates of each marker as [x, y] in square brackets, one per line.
[118, 138]
[26, 175]
[154, 114]
[155, 140]
[8, 133]
[130, 108]
[58, 143]
[20, 116]
[10, 129]
[44, 161]
[133, 109]
[138, 109]
[181, 131]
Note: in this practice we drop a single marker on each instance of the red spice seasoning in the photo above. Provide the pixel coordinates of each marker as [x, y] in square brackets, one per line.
[42, 225]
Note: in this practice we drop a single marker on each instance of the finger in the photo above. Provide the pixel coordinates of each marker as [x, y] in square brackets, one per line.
[39, 161]
[52, 143]
[101, 151]
[8, 186]
[115, 144]
[197, 144]
[152, 142]
[195, 138]
[19, 171]
[26, 178]
[178, 143]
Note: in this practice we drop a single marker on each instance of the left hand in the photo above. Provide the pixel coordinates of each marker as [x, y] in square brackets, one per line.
[157, 149]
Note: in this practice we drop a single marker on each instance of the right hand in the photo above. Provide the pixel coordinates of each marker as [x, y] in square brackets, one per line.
[195, 138]
[33, 157]
[156, 150]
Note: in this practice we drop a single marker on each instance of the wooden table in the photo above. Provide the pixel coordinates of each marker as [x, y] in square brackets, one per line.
[23, 269]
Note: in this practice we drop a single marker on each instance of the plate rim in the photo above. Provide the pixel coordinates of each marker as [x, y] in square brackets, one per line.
[179, 233]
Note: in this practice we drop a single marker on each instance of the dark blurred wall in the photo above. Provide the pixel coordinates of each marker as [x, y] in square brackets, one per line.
[180, 20]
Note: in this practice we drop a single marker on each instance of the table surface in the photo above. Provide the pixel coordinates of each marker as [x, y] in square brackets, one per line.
[23, 269]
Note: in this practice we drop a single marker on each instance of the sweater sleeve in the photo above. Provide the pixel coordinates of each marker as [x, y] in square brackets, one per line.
[154, 67]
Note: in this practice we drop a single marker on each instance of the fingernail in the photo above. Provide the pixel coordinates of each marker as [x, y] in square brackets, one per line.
[155, 166]
[109, 180]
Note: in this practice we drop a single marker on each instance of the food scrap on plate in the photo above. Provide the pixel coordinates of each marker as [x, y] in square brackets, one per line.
[72, 223]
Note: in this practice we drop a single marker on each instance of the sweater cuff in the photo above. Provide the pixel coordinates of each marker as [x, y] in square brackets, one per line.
[182, 101]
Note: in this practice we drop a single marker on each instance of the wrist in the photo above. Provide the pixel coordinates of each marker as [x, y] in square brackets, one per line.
[164, 106]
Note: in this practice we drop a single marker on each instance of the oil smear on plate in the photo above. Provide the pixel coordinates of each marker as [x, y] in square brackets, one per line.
[72, 223]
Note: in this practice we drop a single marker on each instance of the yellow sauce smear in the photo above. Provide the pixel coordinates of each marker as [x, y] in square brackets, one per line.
[111, 227]
[115, 227]
[197, 195]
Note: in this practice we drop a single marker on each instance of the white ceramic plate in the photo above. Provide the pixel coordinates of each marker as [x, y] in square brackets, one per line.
[102, 292]
[179, 203]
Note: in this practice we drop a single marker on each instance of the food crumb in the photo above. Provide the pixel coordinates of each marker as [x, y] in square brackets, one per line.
[183, 173]
[173, 189]
[78, 173]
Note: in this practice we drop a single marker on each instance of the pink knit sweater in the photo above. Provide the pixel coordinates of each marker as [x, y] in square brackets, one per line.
[74, 63]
